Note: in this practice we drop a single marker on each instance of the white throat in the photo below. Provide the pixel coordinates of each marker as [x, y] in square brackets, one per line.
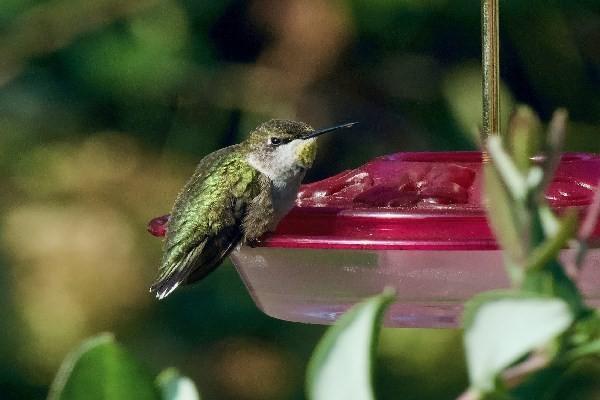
[285, 175]
[282, 166]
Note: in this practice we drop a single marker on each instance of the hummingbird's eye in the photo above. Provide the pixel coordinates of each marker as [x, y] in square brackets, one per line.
[275, 141]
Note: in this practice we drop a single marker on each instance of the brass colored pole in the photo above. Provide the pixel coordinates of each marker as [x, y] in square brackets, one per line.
[491, 64]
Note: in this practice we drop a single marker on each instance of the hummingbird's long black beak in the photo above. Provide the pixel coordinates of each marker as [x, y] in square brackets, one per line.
[319, 132]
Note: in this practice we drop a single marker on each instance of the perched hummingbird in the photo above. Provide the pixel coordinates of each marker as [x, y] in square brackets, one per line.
[235, 196]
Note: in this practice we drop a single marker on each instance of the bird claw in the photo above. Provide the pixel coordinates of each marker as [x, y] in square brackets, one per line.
[253, 243]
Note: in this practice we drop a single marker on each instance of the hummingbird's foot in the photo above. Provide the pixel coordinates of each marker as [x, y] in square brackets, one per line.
[253, 242]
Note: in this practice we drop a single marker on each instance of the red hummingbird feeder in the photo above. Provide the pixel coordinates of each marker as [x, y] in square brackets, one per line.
[411, 221]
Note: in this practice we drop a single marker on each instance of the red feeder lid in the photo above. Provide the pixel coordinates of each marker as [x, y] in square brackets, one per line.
[427, 201]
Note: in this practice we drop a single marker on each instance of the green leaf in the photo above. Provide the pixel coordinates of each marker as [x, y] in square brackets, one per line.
[174, 386]
[524, 136]
[557, 130]
[502, 327]
[503, 217]
[341, 366]
[553, 281]
[548, 220]
[549, 249]
[508, 171]
[100, 369]
[584, 350]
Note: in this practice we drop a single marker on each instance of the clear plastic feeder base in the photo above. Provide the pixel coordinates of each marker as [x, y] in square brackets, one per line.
[318, 285]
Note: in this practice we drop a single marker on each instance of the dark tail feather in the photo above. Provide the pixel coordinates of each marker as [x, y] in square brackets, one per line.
[177, 274]
[163, 288]
[198, 263]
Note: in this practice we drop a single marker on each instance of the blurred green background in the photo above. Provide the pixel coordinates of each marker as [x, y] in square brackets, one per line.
[106, 105]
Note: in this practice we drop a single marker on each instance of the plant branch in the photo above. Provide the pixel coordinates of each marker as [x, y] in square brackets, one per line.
[515, 375]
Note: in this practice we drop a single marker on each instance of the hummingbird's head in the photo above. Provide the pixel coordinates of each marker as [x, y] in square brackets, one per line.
[281, 148]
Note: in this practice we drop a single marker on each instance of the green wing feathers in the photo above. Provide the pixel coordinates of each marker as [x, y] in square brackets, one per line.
[205, 224]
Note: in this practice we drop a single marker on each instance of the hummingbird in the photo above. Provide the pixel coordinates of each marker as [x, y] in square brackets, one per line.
[235, 195]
